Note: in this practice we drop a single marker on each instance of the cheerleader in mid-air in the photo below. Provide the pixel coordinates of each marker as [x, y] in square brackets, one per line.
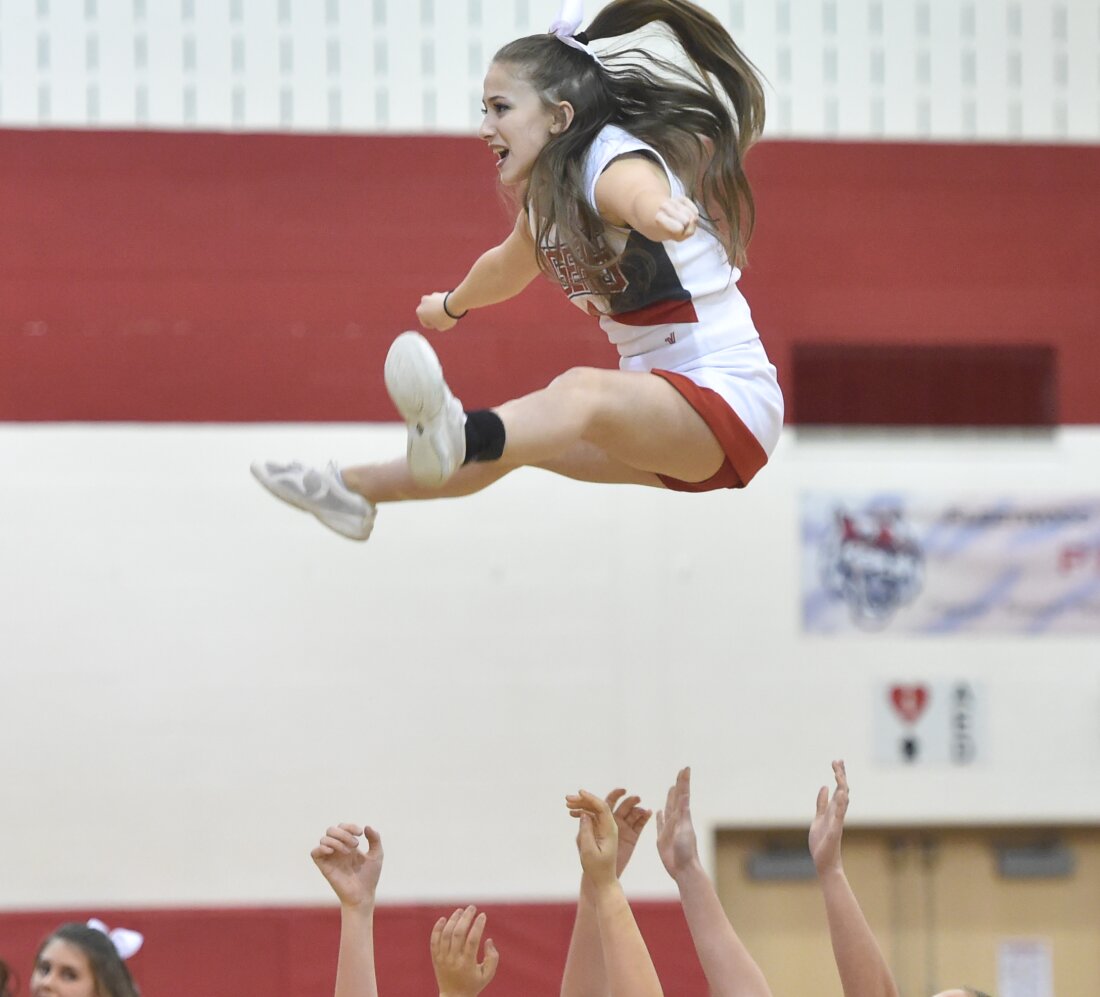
[629, 178]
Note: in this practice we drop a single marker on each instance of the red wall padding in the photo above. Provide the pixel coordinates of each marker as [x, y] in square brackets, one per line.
[903, 385]
[156, 276]
[292, 951]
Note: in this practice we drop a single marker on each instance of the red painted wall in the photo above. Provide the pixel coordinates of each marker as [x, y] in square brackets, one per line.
[157, 276]
[292, 951]
[152, 276]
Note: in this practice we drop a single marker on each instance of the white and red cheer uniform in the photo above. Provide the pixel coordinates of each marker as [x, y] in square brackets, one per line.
[673, 309]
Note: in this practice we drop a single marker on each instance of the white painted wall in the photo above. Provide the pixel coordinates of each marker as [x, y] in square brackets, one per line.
[196, 679]
[948, 70]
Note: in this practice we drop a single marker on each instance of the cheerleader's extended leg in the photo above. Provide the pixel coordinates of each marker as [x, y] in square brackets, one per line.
[593, 425]
[636, 420]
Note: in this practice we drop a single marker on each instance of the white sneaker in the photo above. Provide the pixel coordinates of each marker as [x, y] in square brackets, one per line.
[437, 434]
[320, 491]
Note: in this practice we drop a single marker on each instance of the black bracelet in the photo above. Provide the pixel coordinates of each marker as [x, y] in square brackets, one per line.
[447, 310]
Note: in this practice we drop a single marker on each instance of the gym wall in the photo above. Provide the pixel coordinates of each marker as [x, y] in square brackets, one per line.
[199, 681]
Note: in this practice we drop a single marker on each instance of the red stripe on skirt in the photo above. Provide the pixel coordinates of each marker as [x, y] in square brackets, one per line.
[744, 454]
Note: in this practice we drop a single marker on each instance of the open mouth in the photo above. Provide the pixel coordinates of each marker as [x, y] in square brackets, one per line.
[502, 155]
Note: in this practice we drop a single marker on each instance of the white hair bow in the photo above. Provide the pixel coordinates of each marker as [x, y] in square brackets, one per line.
[567, 24]
[126, 941]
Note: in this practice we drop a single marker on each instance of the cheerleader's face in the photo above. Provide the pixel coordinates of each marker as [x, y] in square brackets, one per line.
[517, 123]
[62, 970]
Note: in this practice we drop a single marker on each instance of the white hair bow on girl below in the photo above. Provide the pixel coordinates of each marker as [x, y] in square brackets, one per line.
[126, 941]
[568, 23]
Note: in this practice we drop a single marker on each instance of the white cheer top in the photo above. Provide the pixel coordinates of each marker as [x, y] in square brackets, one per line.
[659, 293]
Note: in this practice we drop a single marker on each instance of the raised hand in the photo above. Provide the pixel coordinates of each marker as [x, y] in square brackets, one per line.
[676, 842]
[630, 819]
[584, 974]
[455, 941]
[864, 971]
[729, 968]
[597, 836]
[351, 872]
[828, 823]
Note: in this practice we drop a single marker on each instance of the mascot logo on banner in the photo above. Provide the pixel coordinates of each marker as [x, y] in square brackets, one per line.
[872, 561]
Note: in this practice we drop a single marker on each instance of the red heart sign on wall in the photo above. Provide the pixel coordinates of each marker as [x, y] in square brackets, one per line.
[909, 701]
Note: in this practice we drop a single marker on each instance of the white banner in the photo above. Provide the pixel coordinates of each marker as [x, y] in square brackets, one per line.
[918, 564]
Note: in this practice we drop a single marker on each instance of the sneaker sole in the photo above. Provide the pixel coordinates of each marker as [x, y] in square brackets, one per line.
[414, 380]
[291, 499]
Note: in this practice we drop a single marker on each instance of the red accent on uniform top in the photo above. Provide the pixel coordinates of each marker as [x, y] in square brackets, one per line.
[659, 313]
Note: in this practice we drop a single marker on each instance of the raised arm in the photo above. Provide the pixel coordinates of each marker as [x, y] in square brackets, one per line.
[729, 969]
[634, 191]
[353, 875]
[629, 968]
[863, 969]
[497, 275]
[455, 941]
[584, 974]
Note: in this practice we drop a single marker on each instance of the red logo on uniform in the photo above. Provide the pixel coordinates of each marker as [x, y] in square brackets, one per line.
[573, 279]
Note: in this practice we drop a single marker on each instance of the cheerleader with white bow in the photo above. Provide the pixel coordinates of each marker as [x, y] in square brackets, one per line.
[86, 960]
[627, 169]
